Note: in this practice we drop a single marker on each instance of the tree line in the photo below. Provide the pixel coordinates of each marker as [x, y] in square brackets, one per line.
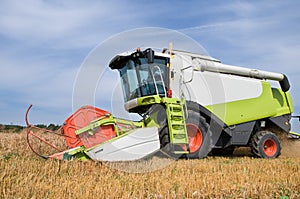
[19, 128]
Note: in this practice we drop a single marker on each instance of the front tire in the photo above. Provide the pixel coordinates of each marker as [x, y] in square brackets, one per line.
[199, 134]
[266, 144]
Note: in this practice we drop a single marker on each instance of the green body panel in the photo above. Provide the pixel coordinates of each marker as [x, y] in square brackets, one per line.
[271, 103]
[82, 156]
[151, 122]
[175, 117]
[77, 153]
[107, 120]
[294, 133]
[110, 120]
[148, 100]
[122, 128]
[284, 101]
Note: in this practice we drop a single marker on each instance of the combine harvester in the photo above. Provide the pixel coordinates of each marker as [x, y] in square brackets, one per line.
[191, 105]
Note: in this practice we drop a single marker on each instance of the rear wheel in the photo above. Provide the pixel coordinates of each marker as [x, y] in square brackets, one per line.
[199, 135]
[266, 144]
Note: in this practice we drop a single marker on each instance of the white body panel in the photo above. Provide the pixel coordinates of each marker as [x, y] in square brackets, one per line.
[209, 88]
[135, 145]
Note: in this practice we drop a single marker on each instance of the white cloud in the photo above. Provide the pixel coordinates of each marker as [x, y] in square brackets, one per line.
[41, 19]
[65, 24]
[36, 81]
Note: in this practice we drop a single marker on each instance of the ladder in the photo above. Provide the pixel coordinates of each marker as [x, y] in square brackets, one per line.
[177, 127]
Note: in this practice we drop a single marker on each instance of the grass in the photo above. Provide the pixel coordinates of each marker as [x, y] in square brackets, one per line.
[24, 175]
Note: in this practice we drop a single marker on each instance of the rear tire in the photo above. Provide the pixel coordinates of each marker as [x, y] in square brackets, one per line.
[265, 144]
[199, 134]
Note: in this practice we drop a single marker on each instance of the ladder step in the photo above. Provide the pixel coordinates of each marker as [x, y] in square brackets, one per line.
[180, 148]
[180, 142]
[176, 118]
[179, 133]
[175, 108]
[177, 125]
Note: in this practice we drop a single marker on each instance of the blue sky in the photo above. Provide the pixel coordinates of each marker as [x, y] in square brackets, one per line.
[44, 44]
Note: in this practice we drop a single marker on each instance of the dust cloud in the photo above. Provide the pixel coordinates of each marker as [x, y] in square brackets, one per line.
[290, 147]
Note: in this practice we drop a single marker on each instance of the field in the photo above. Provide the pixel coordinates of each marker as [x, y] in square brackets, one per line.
[24, 175]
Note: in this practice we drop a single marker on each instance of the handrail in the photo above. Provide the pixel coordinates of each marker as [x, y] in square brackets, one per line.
[162, 80]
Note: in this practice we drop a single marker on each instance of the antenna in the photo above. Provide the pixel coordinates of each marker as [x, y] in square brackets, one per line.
[170, 51]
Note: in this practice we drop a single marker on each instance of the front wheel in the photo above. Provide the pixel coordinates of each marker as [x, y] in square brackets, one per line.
[199, 135]
[266, 144]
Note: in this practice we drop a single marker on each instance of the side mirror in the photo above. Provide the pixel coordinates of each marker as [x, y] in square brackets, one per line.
[172, 74]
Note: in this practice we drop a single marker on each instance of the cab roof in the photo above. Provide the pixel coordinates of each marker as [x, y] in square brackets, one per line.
[117, 61]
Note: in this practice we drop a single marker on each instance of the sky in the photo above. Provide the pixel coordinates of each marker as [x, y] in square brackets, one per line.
[47, 46]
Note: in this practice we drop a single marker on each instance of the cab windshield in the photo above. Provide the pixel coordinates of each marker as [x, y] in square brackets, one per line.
[139, 78]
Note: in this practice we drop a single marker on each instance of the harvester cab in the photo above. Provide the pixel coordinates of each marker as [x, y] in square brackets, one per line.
[143, 73]
[191, 105]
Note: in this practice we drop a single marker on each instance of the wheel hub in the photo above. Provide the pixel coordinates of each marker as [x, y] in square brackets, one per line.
[270, 147]
[195, 137]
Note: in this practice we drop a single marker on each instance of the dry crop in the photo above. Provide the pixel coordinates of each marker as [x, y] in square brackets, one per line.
[24, 175]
